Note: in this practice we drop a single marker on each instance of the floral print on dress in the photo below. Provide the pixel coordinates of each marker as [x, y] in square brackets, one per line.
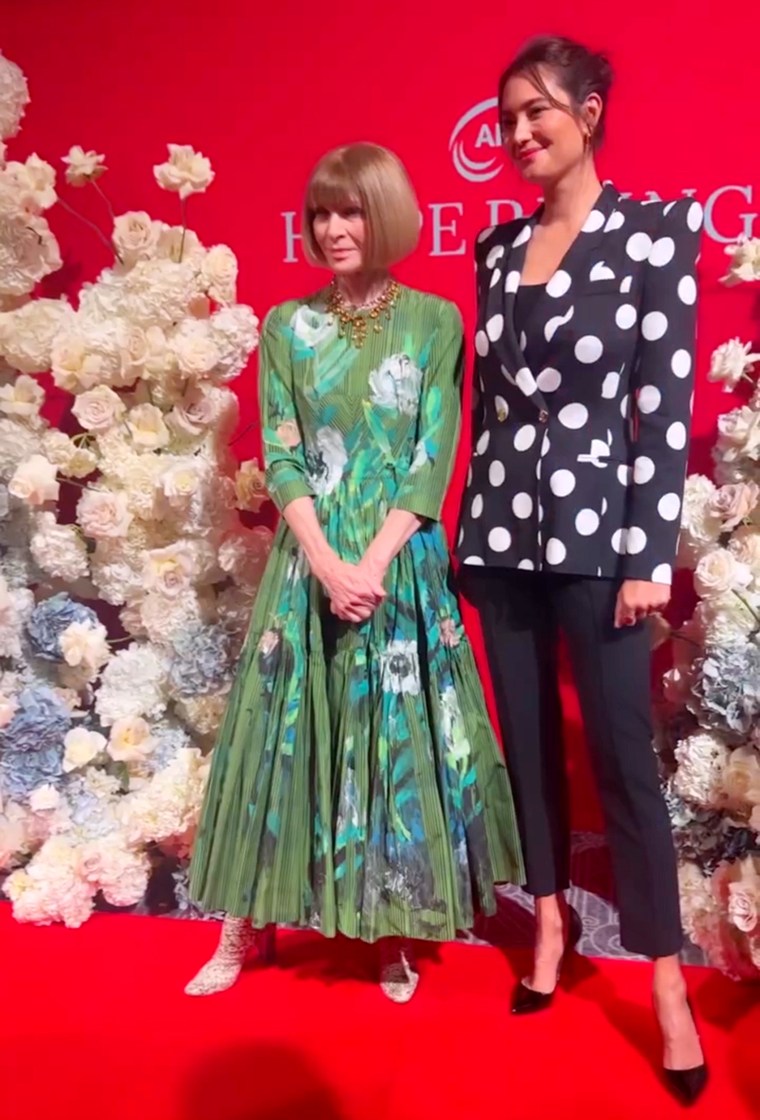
[325, 460]
[396, 385]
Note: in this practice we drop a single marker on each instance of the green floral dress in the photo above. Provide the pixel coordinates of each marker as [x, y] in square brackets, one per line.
[356, 785]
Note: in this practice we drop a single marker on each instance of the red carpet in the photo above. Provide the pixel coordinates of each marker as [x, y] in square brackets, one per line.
[95, 1025]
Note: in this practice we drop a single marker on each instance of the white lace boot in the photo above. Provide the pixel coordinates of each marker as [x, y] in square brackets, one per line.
[236, 938]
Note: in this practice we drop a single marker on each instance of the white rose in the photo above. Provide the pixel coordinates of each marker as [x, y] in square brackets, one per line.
[745, 261]
[719, 572]
[700, 525]
[219, 274]
[22, 398]
[186, 171]
[739, 434]
[104, 513]
[745, 545]
[130, 740]
[44, 798]
[135, 236]
[178, 244]
[193, 347]
[70, 458]
[98, 409]
[26, 334]
[198, 410]
[81, 747]
[147, 427]
[35, 481]
[313, 328]
[85, 645]
[28, 252]
[83, 167]
[731, 362]
[181, 481]
[170, 570]
[36, 179]
[741, 780]
[734, 503]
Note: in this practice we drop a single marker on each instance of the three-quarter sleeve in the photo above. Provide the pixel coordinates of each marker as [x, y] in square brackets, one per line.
[662, 380]
[284, 460]
[424, 488]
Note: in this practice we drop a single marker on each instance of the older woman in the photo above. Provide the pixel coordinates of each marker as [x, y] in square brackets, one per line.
[356, 787]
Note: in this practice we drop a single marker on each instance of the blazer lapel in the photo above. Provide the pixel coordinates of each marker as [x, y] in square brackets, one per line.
[503, 277]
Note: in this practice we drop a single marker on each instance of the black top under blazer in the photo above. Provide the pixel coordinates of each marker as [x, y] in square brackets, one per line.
[581, 424]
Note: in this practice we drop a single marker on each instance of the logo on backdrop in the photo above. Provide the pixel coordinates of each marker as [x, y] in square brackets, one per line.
[476, 152]
[476, 134]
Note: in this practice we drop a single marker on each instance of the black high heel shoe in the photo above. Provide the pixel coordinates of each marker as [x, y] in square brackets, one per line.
[687, 1085]
[525, 1000]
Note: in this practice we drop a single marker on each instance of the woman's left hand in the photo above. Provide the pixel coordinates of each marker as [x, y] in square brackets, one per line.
[638, 598]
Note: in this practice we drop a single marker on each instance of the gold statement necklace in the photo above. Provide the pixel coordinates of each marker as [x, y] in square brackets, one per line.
[355, 321]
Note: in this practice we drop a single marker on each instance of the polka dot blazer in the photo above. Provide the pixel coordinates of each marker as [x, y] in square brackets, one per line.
[579, 456]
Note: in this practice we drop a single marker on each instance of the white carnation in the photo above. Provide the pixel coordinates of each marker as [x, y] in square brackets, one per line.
[27, 334]
[58, 550]
[701, 759]
[700, 524]
[236, 334]
[133, 684]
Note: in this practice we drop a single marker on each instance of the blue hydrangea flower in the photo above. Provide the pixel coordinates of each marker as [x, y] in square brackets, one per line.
[31, 745]
[727, 689]
[40, 722]
[201, 661]
[48, 621]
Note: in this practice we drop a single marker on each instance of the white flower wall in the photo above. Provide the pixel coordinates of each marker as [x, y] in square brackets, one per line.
[126, 572]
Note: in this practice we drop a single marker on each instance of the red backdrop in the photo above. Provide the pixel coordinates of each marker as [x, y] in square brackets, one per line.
[264, 93]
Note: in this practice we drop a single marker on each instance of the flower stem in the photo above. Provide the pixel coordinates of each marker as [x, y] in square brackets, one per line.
[183, 211]
[105, 198]
[92, 225]
[751, 610]
[244, 432]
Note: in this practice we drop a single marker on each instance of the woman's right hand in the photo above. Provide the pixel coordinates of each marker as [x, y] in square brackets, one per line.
[353, 592]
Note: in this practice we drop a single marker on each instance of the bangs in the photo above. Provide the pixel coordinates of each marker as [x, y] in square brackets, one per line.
[332, 187]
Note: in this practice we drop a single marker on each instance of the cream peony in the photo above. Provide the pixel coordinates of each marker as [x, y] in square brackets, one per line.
[186, 171]
[219, 273]
[130, 740]
[83, 167]
[86, 646]
[98, 409]
[22, 398]
[147, 427]
[104, 513]
[81, 747]
[719, 572]
[35, 481]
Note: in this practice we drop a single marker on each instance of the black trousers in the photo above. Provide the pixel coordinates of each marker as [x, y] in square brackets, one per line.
[521, 614]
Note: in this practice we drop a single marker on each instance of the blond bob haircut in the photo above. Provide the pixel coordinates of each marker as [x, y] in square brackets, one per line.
[375, 179]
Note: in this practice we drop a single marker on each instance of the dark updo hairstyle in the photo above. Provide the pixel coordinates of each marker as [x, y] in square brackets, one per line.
[579, 71]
